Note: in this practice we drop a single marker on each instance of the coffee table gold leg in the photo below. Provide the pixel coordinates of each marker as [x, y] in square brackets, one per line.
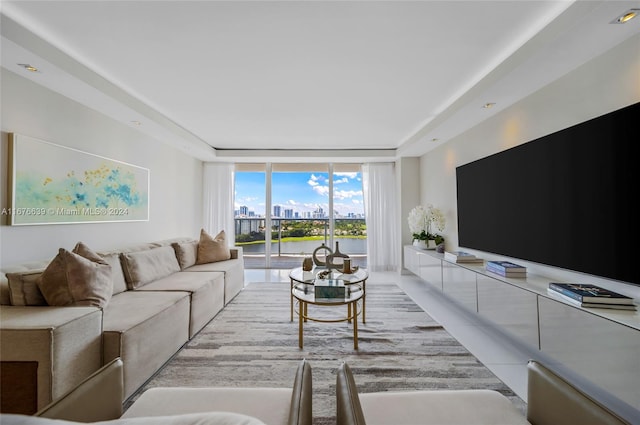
[355, 326]
[349, 313]
[364, 300]
[301, 308]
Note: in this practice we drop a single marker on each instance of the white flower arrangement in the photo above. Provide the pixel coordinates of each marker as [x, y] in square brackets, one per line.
[424, 221]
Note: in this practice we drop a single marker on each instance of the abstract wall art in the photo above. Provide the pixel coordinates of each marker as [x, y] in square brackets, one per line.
[54, 184]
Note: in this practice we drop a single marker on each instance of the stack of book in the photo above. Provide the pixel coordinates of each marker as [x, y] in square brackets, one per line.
[461, 257]
[506, 269]
[591, 296]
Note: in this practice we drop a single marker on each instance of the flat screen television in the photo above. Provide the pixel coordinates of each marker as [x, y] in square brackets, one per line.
[563, 200]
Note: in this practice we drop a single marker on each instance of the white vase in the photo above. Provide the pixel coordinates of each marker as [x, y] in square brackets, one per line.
[420, 244]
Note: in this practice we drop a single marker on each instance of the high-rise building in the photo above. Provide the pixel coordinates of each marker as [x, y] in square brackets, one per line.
[277, 211]
[244, 210]
[288, 213]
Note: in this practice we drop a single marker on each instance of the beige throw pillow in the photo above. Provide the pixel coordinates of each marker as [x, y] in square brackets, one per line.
[212, 249]
[146, 266]
[186, 252]
[23, 288]
[79, 278]
[117, 275]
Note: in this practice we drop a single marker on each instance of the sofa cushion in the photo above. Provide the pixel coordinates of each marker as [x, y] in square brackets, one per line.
[208, 418]
[270, 405]
[186, 252]
[481, 407]
[207, 294]
[23, 288]
[233, 275]
[212, 249]
[144, 329]
[143, 267]
[79, 278]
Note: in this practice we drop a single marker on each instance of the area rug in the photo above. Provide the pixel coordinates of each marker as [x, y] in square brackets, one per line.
[253, 343]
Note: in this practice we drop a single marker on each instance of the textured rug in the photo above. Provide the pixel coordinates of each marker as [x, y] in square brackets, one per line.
[253, 343]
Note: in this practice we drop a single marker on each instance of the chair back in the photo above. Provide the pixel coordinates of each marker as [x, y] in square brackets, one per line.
[98, 398]
[552, 400]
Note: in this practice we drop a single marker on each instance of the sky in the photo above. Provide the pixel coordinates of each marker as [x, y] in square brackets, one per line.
[300, 191]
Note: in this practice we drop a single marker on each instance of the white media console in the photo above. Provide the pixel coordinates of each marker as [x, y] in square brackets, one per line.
[602, 345]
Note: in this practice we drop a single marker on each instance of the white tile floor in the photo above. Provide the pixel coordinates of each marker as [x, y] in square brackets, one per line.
[501, 354]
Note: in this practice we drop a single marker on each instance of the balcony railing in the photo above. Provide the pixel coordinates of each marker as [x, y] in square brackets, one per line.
[300, 236]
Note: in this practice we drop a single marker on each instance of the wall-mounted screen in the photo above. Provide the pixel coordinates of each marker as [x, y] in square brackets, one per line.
[563, 200]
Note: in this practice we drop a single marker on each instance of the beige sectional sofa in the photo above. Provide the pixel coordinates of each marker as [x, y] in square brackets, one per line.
[160, 299]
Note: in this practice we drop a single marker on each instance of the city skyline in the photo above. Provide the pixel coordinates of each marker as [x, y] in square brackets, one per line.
[300, 192]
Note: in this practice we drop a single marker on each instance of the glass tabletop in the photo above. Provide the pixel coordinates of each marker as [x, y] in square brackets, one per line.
[306, 292]
[309, 277]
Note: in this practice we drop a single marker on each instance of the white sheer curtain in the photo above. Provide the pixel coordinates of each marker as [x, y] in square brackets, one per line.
[217, 199]
[380, 207]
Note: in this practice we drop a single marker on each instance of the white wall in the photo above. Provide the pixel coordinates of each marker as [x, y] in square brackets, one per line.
[175, 178]
[606, 83]
[408, 181]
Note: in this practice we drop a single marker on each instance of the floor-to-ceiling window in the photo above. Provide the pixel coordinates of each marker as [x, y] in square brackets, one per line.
[298, 207]
[250, 205]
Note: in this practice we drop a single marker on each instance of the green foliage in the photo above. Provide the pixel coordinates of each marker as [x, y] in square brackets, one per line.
[308, 230]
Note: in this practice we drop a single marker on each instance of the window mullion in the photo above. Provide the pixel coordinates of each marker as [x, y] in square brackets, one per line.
[267, 217]
[331, 217]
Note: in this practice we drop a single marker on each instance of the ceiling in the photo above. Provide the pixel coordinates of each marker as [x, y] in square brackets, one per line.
[241, 80]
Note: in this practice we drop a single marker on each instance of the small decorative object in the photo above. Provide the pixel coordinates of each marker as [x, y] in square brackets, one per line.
[422, 221]
[346, 266]
[336, 259]
[307, 264]
[440, 248]
[318, 252]
[324, 274]
[329, 289]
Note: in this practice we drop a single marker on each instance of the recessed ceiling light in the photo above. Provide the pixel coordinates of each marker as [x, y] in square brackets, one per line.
[626, 16]
[28, 67]
[435, 139]
[136, 122]
[488, 105]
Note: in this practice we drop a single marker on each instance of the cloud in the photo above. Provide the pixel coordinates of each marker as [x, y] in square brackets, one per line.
[342, 180]
[247, 199]
[346, 194]
[346, 175]
[315, 180]
[322, 190]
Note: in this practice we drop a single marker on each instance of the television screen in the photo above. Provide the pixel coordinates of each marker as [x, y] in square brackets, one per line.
[562, 200]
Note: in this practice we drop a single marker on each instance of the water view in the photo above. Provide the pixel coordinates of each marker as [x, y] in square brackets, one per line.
[349, 246]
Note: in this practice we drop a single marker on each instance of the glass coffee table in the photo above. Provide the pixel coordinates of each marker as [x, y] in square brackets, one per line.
[305, 294]
[358, 277]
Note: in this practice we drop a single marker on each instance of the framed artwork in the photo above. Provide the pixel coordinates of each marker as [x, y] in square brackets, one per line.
[54, 184]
